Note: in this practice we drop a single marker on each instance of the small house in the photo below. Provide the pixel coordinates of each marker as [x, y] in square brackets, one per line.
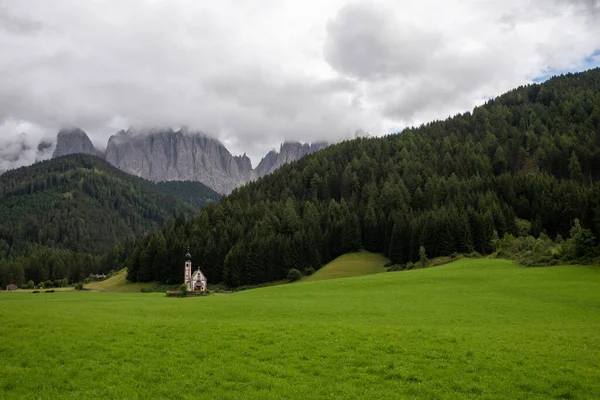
[11, 287]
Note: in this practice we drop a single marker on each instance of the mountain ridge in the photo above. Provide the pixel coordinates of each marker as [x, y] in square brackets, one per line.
[164, 154]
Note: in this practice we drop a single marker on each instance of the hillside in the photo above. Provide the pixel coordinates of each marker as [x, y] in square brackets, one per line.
[116, 283]
[58, 217]
[194, 193]
[474, 329]
[526, 163]
[350, 265]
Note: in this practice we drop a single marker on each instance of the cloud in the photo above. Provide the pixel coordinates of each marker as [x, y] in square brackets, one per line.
[253, 74]
[415, 65]
[15, 24]
[22, 149]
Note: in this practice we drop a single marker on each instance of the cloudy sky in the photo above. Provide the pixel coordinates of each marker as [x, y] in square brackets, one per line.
[256, 73]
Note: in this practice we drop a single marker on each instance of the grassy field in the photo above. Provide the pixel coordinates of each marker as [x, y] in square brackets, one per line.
[350, 265]
[117, 283]
[474, 329]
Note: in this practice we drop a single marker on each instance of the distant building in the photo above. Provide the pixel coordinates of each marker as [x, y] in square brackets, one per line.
[11, 287]
[196, 280]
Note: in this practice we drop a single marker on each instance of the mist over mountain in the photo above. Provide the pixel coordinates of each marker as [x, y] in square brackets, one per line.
[21, 151]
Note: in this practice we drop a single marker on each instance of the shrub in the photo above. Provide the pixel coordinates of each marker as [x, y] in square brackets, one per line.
[35, 291]
[41, 285]
[30, 285]
[183, 289]
[79, 286]
[397, 267]
[309, 271]
[49, 291]
[294, 275]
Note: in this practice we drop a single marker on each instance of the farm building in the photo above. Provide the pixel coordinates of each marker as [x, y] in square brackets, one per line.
[11, 287]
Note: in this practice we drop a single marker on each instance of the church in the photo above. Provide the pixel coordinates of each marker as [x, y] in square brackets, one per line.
[195, 281]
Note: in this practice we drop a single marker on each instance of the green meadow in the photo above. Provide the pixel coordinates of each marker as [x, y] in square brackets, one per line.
[473, 329]
[350, 265]
[117, 283]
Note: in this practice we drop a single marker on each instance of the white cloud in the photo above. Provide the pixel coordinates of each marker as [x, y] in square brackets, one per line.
[254, 74]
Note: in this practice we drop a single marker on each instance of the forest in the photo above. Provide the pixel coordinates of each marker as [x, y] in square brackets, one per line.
[75, 215]
[523, 165]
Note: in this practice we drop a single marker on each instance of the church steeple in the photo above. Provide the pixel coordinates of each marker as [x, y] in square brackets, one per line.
[187, 275]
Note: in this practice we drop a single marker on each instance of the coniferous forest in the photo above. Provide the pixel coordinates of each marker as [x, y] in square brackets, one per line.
[524, 164]
[74, 215]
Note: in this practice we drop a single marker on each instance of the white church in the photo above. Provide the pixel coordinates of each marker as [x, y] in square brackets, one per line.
[195, 281]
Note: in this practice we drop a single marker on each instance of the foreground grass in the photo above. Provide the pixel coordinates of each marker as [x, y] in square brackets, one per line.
[479, 329]
[117, 283]
[350, 265]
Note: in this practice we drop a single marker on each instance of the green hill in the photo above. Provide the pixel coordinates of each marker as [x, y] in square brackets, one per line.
[60, 217]
[350, 265]
[474, 329]
[116, 283]
[525, 163]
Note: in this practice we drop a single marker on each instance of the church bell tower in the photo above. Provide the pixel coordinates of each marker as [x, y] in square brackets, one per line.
[187, 277]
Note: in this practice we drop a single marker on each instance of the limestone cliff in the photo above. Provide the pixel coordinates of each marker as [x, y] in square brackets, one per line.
[288, 152]
[167, 155]
[71, 141]
[164, 155]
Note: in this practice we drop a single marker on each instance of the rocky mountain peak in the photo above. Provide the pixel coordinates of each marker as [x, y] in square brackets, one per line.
[74, 140]
[288, 152]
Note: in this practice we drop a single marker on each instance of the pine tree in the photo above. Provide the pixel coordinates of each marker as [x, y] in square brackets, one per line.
[575, 171]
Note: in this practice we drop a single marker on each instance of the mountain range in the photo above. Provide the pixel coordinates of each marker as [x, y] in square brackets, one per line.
[168, 155]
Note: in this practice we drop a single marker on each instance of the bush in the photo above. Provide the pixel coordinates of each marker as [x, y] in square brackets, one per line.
[41, 285]
[183, 289]
[294, 275]
[79, 286]
[30, 285]
[396, 267]
[49, 291]
[309, 271]
[35, 291]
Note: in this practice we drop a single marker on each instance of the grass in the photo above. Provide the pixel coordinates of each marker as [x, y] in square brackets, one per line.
[473, 329]
[350, 265]
[117, 283]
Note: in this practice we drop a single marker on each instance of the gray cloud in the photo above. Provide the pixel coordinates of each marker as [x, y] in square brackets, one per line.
[367, 42]
[15, 24]
[420, 71]
[253, 75]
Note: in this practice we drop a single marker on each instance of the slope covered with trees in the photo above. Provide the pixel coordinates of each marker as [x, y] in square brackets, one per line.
[58, 217]
[527, 162]
[194, 193]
